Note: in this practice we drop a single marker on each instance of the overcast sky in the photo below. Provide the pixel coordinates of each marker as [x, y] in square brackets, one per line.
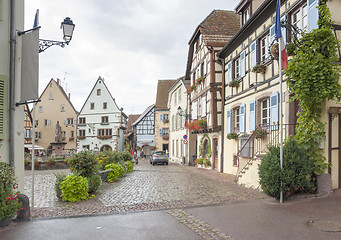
[130, 43]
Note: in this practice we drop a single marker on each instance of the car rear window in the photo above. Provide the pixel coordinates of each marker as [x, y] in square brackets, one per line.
[160, 153]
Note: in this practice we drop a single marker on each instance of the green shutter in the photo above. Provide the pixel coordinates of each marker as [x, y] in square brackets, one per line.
[3, 94]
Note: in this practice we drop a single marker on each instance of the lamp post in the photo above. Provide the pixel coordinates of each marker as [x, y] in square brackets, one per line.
[187, 116]
[68, 26]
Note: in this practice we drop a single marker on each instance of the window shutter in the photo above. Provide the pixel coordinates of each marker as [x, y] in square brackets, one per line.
[242, 118]
[48, 122]
[313, 15]
[228, 121]
[272, 34]
[161, 117]
[274, 111]
[195, 110]
[3, 94]
[242, 63]
[160, 131]
[253, 52]
[229, 71]
[65, 121]
[75, 121]
[252, 116]
[203, 107]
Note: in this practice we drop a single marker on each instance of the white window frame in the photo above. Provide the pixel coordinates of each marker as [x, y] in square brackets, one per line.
[265, 120]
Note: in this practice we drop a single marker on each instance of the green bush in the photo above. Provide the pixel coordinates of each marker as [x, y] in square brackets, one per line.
[122, 170]
[200, 161]
[114, 174]
[94, 181]
[297, 173]
[59, 178]
[130, 166]
[83, 163]
[74, 188]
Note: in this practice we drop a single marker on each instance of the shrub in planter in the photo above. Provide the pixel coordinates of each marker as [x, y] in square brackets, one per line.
[114, 174]
[207, 162]
[9, 205]
[74, 188]
[130, 166]
[82, 163]
[59, 179]
[94, 181]
[297, 173]
[199, 161]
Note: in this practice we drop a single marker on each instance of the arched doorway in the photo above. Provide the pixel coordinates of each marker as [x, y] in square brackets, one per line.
[146, 150]
[106, 147]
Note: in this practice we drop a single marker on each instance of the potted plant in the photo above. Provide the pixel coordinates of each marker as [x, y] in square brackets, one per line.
[234, 83]
[291, 47]
[207, 162]
[200, 80]
[199, 161]
[260, 133]
[259, 68]
[9, 204]
[233, 136]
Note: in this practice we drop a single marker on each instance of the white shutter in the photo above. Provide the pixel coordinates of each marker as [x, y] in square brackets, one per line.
[229, 71]
[242, 118]
[228, 121]
[252, 116]
[65, 121]
[313, 15]
[195, 110]
[203, 106]
[274, 111]
[75, 121]
[48, 122]
[253, 52]
[161, 117]
[242, 63]
[272, 34]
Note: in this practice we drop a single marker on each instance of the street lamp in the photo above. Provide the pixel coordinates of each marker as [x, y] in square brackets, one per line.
[181, 113]
[68, 26]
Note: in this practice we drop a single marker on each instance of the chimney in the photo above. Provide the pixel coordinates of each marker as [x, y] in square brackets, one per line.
[58, 81]
[69, 95]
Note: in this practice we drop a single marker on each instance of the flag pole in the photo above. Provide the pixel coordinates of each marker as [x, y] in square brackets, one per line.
[281, 115]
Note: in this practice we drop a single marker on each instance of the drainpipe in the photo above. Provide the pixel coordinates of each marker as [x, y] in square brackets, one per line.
[222, 62]
[12, 83]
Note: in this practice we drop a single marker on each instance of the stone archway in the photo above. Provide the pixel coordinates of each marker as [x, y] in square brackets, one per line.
[106, 147]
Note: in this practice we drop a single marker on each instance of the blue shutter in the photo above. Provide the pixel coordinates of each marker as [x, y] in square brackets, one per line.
[284, 30]
[161, 117]
[228, 121]
[242, 63]
[313, 15]
[160, 131]
[252, 116]
[253, 52]
[242, 119]
[274, 111]
[229, 71]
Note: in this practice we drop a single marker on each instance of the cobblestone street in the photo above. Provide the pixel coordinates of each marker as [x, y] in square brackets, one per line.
[147, 188]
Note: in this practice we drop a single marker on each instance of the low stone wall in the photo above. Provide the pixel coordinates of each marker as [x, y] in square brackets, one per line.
[60, 164]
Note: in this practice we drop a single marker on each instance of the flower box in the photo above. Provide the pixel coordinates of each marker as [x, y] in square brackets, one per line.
[104, 137]
[233, 136]
[234, 83]
[198, 124]
[81, 137]
[260, 133]
[259, 68]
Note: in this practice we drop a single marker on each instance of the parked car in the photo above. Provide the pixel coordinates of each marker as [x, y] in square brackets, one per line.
[159, 157]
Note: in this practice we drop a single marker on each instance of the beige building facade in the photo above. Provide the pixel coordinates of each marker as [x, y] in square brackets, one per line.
[55, 107]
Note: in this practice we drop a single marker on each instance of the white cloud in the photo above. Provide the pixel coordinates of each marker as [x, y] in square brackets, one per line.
[131, 43]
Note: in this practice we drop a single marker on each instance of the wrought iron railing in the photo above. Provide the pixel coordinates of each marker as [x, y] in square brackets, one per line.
[260, 140]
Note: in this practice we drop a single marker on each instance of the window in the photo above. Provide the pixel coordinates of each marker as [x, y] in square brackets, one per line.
[82, 133]
[92, 106]
[40, 108]
[179, 93]
[51, 85]
[69, 121]
[72, 134]
[165, 131]
[51, 96]
[245, 16]
[37, 121]
[38, 135]
[237, 68]
[105, 132]
[47, 122]
[165, 116]
[105, 105]
[265, 111]
[299, 18]
[175, 96]
[28, 133]
[62, 108]
[236, 112]
[82, 120]
[264, 44]
[105, 120]
[86, 147]
[63, 134]
[98, 92]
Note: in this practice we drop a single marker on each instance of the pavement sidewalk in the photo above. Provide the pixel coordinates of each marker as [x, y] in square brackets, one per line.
[299, 218]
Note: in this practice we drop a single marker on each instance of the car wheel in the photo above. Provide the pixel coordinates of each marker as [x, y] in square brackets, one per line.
[153, 163]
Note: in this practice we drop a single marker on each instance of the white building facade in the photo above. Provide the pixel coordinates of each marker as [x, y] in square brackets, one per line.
[100, 123]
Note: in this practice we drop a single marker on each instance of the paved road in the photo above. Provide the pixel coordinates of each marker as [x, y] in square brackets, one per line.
[147, 188]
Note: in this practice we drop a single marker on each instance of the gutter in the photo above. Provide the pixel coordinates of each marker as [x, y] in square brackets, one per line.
[222, 62]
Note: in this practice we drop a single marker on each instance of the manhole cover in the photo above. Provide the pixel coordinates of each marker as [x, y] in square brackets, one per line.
[326, 226]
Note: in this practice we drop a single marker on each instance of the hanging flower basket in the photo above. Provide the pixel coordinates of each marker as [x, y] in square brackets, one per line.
[259, 68]
[233, 136]
[260, 133]
[234, 83]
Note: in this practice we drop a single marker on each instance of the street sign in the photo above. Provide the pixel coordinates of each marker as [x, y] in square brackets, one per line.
[185, 136]
[185, 141]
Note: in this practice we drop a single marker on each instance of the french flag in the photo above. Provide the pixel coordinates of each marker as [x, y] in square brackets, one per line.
[284, 58]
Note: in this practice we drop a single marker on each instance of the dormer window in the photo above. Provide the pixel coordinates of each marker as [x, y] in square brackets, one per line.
[245, 16]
